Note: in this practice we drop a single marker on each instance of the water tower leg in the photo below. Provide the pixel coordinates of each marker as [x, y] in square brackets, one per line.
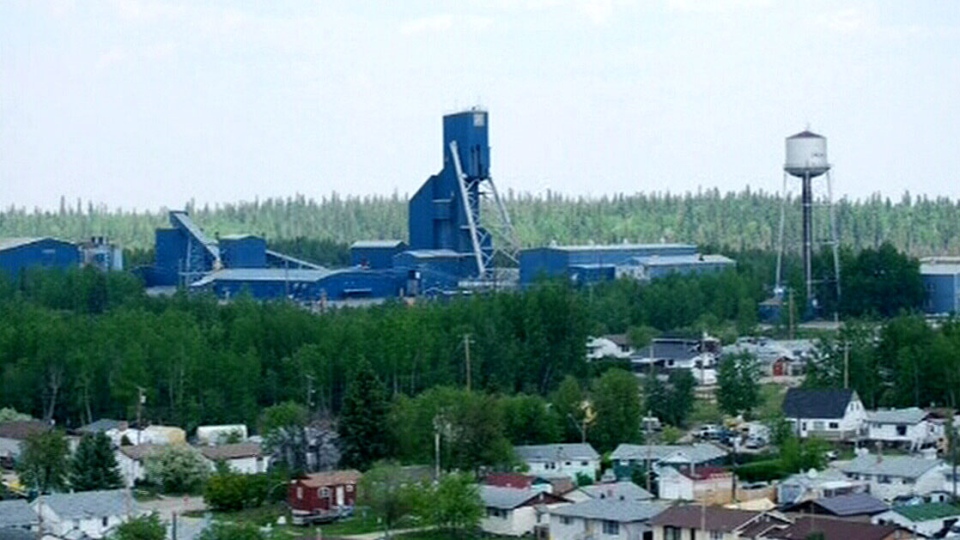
[783, 218]
[807, 202]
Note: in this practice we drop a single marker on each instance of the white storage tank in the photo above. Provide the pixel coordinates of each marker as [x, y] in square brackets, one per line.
[806, 155]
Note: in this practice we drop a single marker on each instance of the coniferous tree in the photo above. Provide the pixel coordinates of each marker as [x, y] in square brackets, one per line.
[94, 465]
[363, 421]
[45, 462]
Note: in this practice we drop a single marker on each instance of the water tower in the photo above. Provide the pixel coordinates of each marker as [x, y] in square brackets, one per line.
[807, 160]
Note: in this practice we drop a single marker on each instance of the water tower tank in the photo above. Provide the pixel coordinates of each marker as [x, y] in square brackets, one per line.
[806, 155]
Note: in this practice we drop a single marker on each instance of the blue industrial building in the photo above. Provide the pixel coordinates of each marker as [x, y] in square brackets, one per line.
[941, 281]
[18, 254]
[375, 254]
[303, 285]
[590, 264]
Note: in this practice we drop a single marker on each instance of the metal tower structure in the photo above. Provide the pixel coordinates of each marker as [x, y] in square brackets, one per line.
[806, 159]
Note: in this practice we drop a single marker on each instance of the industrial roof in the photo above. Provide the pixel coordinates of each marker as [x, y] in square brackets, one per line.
[617, 247]
[90, 504]
[939, 268]
[911, 415]
[16, 513]
[611, 510]
[263, 274]
[685, 453]
[927, 512]
[377, 244]
[817, 402]
[672, 260]
[436, 254]
[556, 452]
[806, 134]
[852, 504]
[625, 490]
[899, 466]
[11, 243]
[241, 236]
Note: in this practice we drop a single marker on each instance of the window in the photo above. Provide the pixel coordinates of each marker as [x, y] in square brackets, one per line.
[566, 520]
[299, 492]
[323, 492]
[716, 535]
[834, 425]
[883, 479]
[584, 463]
[611, 527]
[349, 488]
[671, 533]
[567, 464]
[901, 431]
[104, 521]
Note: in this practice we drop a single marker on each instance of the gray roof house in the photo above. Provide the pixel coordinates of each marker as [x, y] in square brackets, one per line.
[515, 512]
[617, 491]
[827, 413]
[10, 533]
[568, 459]
[896, 476]
[614, 518]
[852, 506]
[909, 428]
[17, 514]
[91, 513]
[628, 456]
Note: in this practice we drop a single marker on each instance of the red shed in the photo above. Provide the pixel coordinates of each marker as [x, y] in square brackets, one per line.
[323, 495]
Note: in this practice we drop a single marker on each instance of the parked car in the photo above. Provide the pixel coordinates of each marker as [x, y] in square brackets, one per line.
[755, 443]
[709, 431]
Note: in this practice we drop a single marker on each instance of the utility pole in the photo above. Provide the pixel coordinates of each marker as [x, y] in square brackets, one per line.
[140, 400]
[466, 350]
[648, 441]
[790, 311]
[846, 364]
[309, 393]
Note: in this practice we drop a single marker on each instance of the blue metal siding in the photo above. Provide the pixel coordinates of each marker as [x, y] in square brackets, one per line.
[171, 248]
[44, 253]
[246, 252]
[942, 293]
[375, 258]
[545, 262]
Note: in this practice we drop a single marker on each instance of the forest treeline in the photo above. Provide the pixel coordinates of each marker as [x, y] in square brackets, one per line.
[739, 221]
[77, 345]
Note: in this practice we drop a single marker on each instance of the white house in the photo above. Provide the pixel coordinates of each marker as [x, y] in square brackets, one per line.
[130, 461]
[601, 519]
[609, 346]
[244, 458]
[925, 519]
[515, 512]
[12, 435]
[568, 459]
[627, 457]
[889, 477]
[813, 485]
[91, 513]
[623, 490]
[910, 428]
[710, 485]
[833, 414]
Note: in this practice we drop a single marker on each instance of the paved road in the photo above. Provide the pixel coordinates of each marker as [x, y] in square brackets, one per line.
[378, 535]
[166, 506]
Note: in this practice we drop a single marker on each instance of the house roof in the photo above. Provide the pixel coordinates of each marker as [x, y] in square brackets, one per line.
[20, 430]
[331, 478]
[852, 504]
[139, 451]
[104, 424]
[817, 402]
[911, 415]
[834, 529]
[509, 498]
[713, 518]
[620, 511]
[619, 339]
[556, 452]
[927, 512]
[624, 490]
[12, 533]
[684, 453]
[16, 513]
[90, 504]
[899, 466]
[511, 480]
[232, 451]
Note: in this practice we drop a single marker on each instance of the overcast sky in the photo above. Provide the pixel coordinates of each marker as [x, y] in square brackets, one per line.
[142, 103]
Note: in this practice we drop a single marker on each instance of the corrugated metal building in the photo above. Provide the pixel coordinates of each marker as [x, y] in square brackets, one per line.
[375, 254]
[302, 285]
[590, 264]
[17, 254]
[941, 281]
[243, 251]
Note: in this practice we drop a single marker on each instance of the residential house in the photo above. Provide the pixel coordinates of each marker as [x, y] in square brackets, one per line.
[244, 458]
[932, 520]
[813, 485]
[623, 490]
[604, 519]
[808, 527]
[159, 435]
[710, 485]
[101, 426]
[627, 458]
[519, 481]
[697, 355]
[851, 507]
[776, 358]
[91, 513]
[889, 477]
[516, 512]
[322, 494]
[130, 462]
[833, 414]
[687, 522]
[17, 514]
[612, 346]
[9, 533]
[12, 435]
[568, 459]
[909, 428]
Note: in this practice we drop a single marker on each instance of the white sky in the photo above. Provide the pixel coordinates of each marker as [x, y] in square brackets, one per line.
[140, 103]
